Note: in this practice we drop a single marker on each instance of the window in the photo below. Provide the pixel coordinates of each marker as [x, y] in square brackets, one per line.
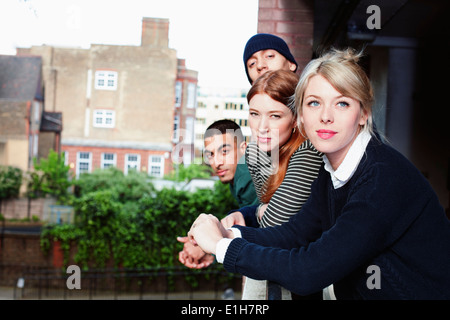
[104, 118]
[66, 157]
[35, 144]
[132, 162]
[189, 131]
[83, 163]
[178, 93]
[108, 160]
[106, 80]
[176, 124]
[37, 112]
[192, 95]
[156, 166]
[243, 122]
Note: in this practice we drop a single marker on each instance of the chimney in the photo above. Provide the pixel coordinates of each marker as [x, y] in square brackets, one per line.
[155, 32]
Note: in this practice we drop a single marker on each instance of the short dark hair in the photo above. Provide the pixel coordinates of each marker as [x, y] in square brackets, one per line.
[223, 127]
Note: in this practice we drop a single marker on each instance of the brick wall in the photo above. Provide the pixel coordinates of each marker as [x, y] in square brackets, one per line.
[291, 20]
[18, 208]
[20, 253]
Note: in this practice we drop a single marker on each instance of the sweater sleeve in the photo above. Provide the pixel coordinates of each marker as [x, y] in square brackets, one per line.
[295, 189]
[259, 166]
[304, 256]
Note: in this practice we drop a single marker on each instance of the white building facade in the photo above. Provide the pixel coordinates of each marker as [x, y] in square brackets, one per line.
[213, 108]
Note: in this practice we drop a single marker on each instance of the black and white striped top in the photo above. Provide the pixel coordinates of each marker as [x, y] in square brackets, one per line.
[295, 189]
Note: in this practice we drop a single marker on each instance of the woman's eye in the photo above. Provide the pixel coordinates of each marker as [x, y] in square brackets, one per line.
[313, 103]
[253, 114]
[342, 104]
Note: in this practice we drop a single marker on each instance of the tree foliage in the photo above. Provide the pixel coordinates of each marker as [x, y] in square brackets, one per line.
[183, 173]
[10, 182]
[50, 176]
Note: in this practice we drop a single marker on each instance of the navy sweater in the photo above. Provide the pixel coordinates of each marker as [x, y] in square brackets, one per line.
[386, 215]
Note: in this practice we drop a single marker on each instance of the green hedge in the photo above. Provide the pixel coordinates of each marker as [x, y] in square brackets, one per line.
[125, 220]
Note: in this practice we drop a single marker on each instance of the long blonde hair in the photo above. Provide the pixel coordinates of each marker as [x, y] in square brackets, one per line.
[341, 69]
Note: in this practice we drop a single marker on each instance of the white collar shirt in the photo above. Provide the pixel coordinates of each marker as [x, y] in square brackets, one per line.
[347, 168]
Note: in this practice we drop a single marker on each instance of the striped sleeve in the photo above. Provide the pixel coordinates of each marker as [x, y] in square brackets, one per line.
[260, 167]
[295, 189]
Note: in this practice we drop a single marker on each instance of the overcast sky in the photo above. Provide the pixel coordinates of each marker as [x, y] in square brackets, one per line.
[209, 34]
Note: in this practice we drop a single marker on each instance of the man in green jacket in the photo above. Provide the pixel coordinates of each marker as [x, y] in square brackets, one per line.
[224, 152]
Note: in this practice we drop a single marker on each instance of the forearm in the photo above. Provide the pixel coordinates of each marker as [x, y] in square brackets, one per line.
[303, 269]
[307, 253]
[263, 237]
[207, 231]
[277, 265]
[249, 214]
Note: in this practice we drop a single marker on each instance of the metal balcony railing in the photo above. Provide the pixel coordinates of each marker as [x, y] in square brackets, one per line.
[212, 283]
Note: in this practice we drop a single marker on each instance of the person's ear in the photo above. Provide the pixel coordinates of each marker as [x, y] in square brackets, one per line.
[364, 117]
[292, 66]
[295, 122]
[242, 147]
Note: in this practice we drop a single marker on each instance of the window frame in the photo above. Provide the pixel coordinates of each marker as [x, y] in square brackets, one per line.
[82, 161]
[127, 162]
[108, 162]
[178, 93]
[102, 114]
[152, 164]
[192, 96]
[106, 76]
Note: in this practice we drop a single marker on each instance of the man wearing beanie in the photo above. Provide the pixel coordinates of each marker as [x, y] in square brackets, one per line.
[265, 52]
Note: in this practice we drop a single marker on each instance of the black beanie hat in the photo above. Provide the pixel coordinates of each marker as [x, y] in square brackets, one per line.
[265, 41]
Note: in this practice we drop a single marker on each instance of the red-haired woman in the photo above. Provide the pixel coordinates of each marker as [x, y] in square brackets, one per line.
[282, 162]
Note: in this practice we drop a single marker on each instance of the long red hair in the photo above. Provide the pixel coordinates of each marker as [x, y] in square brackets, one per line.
[280, 86]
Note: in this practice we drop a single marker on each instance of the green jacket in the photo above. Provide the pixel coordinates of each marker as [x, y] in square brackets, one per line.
[242, 187]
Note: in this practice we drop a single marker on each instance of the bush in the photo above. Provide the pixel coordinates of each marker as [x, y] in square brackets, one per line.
[124, 219]
[51, 176]
[183, 173]
[10, 182]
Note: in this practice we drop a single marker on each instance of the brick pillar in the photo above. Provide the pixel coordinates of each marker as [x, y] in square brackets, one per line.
[292, 20]
[58, 255]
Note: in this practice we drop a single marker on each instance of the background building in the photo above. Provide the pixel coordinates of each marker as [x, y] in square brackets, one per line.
[117, 101]
[21, 109]
[184, 114]
[213, 108]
